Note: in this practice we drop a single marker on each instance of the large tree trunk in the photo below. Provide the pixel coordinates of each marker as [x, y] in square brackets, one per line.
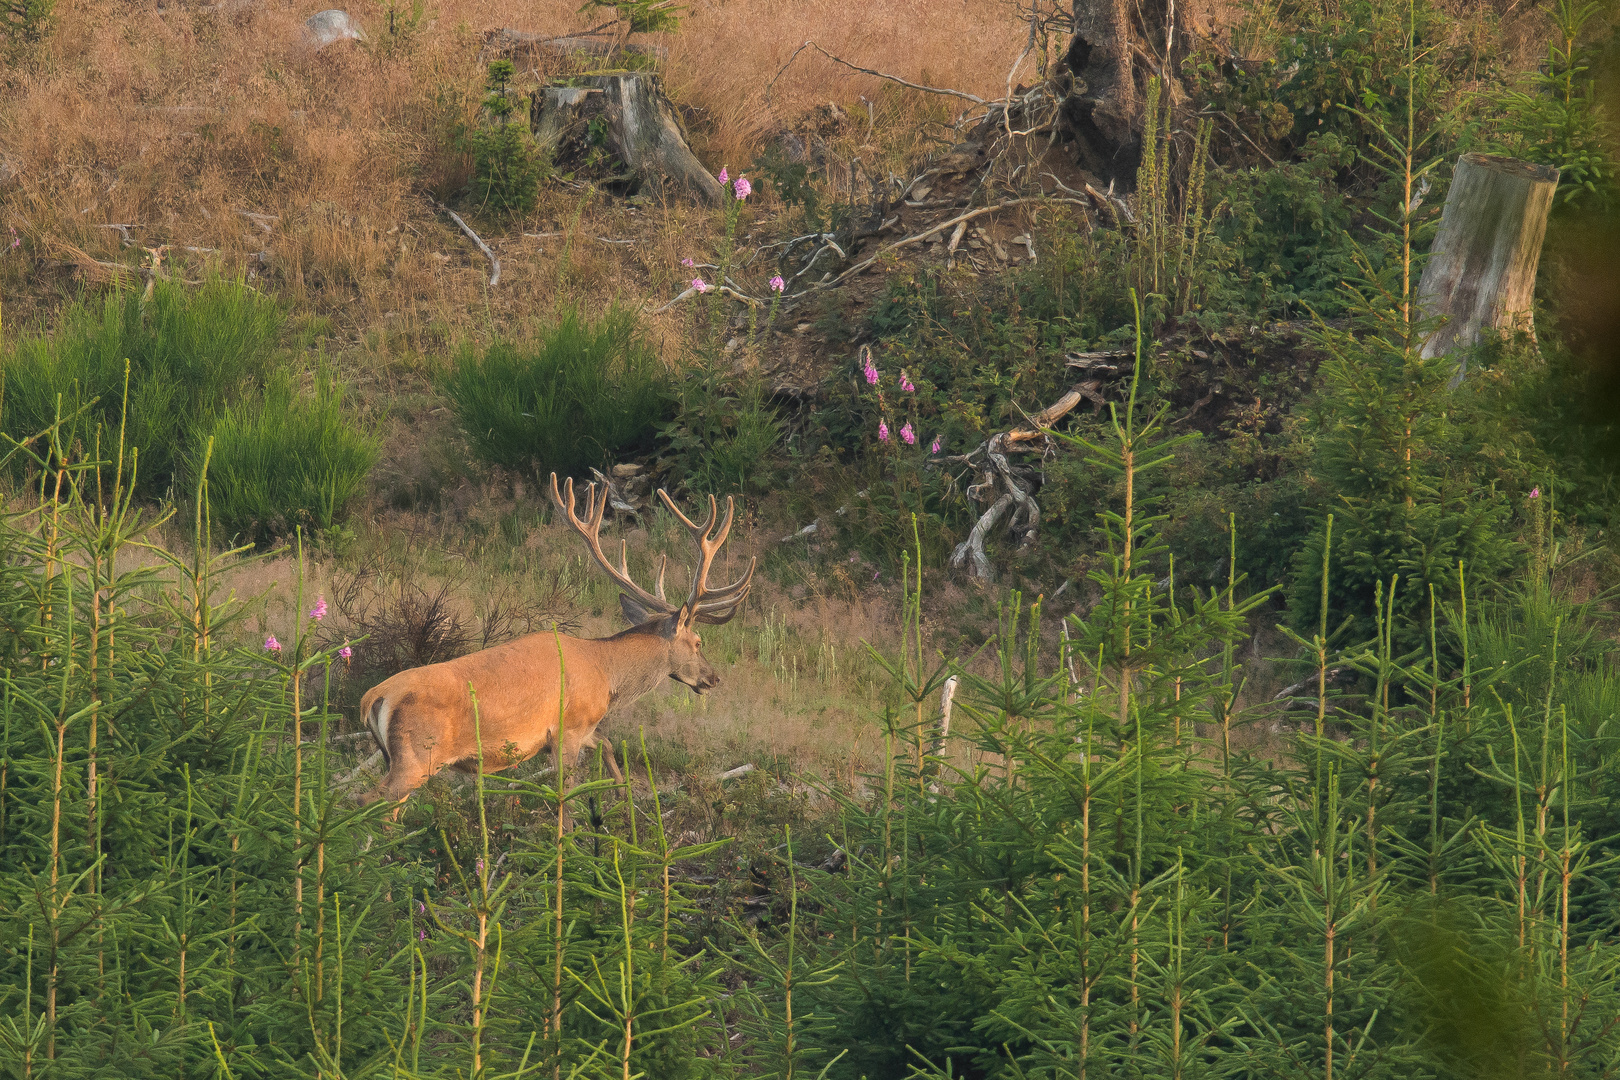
[638, 124]
[1481, 272]
[1118, 45]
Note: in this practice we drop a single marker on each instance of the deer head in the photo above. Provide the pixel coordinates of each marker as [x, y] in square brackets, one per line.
[651, 613]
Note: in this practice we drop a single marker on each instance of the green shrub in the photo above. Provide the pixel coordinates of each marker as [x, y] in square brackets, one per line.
[189, 353]
[581, 392]
[286, 458]
[507, 165]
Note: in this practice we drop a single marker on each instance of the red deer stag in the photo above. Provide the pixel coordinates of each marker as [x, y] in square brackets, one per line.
[422, 719]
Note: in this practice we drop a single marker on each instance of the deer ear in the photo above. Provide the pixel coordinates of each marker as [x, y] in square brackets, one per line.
[633, 611]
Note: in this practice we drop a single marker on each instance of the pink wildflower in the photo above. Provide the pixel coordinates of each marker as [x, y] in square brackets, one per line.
[908, 435]
[688, 263]
[777, 284]
[743, 188]
[318, 612]
[421, 908]
[1535, 492]
[724, 177]
[871, 372]
[883, 431]
[905, 382]
[346, 653]
[421, 935]
[935, 448]
[700, 285]
[271, 644]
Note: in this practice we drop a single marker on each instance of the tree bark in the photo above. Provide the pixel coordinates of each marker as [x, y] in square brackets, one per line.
[1118, 45]
[1481, 272]
[638, 126]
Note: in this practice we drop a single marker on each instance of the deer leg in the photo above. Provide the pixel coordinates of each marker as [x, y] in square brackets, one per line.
[609, 757]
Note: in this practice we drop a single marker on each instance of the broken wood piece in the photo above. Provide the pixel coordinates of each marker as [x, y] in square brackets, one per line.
[495, 275]
[615, 500]
[1481, 273]
[719, 290]
[732, 774]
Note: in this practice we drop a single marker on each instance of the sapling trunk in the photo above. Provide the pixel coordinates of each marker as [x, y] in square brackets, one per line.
[555, 1028]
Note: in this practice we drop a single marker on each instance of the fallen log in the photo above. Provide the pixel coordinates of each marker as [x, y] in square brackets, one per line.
[638, 126]
[1481, 273]
[506, 42]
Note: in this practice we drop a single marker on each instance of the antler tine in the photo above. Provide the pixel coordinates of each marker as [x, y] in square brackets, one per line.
[591, 530]
[730, 595]
[694, 528]
[708, 546]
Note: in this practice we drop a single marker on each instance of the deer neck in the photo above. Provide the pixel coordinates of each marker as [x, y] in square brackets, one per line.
[643, 667]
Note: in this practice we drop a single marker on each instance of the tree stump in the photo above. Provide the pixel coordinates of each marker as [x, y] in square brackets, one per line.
[1482, 269]
[636, 123]
[1118, 45]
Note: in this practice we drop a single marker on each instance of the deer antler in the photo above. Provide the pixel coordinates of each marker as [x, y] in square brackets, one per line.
[591, 528]
[704, 602]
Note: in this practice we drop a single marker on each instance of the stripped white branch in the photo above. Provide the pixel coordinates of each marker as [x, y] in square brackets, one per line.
[495, 276]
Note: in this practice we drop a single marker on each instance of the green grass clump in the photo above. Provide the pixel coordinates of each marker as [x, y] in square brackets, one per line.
[286, 458]
[583, 391]
[189, 354]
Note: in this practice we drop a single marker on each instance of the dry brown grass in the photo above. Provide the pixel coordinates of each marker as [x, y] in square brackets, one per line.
[174, 118]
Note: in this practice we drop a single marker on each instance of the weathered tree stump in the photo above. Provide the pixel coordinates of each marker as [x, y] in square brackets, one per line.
[638, 126]
[1481, 272]
[1117, 47]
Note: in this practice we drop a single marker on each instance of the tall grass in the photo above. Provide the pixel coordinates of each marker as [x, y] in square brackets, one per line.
[579, 393]
[286, 459]
[190, 354]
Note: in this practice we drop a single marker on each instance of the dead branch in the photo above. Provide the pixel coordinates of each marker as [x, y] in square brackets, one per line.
[867, 71]
[943, 225]
[721, 290]
[1006, 486]
[495, 276]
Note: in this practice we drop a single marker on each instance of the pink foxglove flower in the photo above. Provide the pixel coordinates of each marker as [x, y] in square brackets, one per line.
[743, 188]
[421, 908]
[421, 935]
[871, 372]
[1535, 492]
[271, 644]
[318, 612]
[905, 382]
[777, 284]
[700, 285]
[908, 435]
[688, 263]
[724, 177]
[883, 431]
[347, 653]
[935, 448]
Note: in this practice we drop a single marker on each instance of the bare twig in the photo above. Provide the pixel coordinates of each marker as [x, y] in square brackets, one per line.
[495, 275]
[867, 71]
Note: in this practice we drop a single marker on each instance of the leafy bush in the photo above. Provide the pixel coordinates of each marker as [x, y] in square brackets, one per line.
[286, 459]
[189, 354]
[583, 391]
